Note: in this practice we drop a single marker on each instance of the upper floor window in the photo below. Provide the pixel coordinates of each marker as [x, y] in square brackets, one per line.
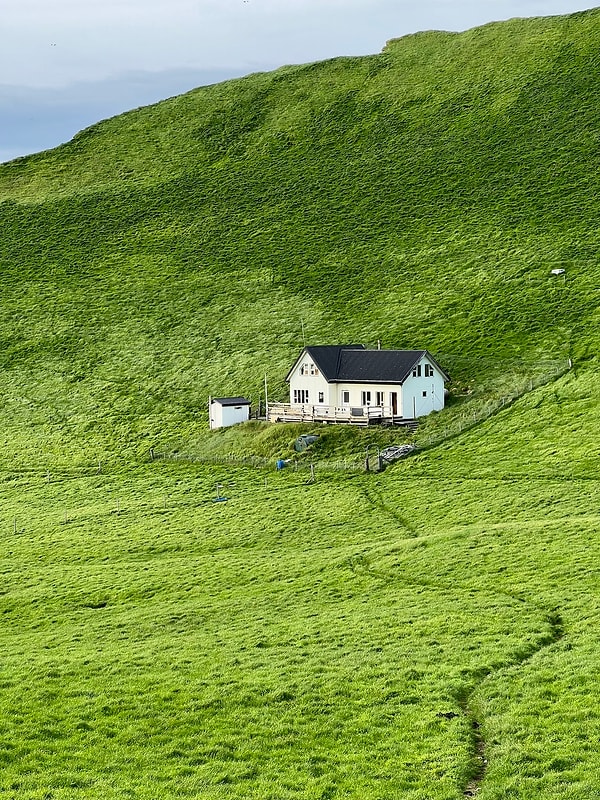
[428, 371]
[417, 371]
[308, 369]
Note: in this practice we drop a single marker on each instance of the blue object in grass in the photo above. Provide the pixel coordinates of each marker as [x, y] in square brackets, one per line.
[280, 463]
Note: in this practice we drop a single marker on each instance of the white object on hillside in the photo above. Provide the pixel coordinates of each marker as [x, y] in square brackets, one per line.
[226, 411]
[348, 383]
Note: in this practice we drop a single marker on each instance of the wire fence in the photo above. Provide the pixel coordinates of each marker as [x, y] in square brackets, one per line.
[480, 408]
[351, 463]
[449, 424]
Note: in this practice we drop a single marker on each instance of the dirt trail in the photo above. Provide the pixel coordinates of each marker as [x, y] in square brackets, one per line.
[478, 743]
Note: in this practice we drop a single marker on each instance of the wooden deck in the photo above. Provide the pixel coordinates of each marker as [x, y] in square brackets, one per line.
[335, 415]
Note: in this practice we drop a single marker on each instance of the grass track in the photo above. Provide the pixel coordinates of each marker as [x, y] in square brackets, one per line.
[322, 640]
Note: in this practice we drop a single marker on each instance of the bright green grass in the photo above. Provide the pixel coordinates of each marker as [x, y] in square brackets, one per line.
[420, 196]
[335, 639]
[305, 640]
[180, 647]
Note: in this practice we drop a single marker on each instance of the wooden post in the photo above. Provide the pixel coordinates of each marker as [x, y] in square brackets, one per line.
[266, 400]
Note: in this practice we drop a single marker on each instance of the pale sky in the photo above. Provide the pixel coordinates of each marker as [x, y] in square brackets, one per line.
[65, 64]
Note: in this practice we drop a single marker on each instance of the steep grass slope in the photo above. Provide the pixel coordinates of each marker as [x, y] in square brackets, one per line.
[428, 632]
[420, 197]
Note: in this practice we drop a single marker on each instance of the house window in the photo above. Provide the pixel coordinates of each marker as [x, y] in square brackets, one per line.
[321, 397]
[301, 396]
[313, 370]
[424, 394]
[417, 371]
[428, 371]
[378, 398]
[366, 398]
[345, 398]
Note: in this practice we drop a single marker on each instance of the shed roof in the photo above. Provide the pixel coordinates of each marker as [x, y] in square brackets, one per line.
[231, 401]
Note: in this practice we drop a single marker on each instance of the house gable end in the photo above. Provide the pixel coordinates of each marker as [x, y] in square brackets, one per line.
[427, 355]
[325, 357]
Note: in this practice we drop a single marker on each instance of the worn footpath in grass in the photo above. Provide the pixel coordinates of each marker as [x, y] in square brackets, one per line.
[156, 642]
[336, 638]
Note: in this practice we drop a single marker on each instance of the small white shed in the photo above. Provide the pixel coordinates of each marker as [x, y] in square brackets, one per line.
[226, 411]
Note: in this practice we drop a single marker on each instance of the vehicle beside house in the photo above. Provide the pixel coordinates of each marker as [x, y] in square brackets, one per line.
[349, 383]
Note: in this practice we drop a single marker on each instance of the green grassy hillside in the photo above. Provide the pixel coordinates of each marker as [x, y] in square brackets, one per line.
[360, 637]
[427, 632]
[420, 196]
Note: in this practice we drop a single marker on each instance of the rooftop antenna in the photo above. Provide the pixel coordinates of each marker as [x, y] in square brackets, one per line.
[379, 344]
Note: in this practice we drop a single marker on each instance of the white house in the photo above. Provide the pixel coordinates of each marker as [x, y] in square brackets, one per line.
[348, 383]
[225, 411]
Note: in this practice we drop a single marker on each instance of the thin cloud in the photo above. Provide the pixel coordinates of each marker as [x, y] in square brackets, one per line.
[65, 43]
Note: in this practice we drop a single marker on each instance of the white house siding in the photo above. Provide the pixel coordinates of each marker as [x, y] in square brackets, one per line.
[355, 392]
[423, 393]
[410, 399]
[420, 394]
[222, 416]
[315, 384]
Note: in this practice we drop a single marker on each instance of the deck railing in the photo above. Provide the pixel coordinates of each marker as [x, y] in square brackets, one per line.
[357, 415]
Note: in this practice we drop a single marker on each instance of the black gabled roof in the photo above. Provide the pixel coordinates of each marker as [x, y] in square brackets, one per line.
[231, 401]
[326, 357]
[383, 366]
[352, 363]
